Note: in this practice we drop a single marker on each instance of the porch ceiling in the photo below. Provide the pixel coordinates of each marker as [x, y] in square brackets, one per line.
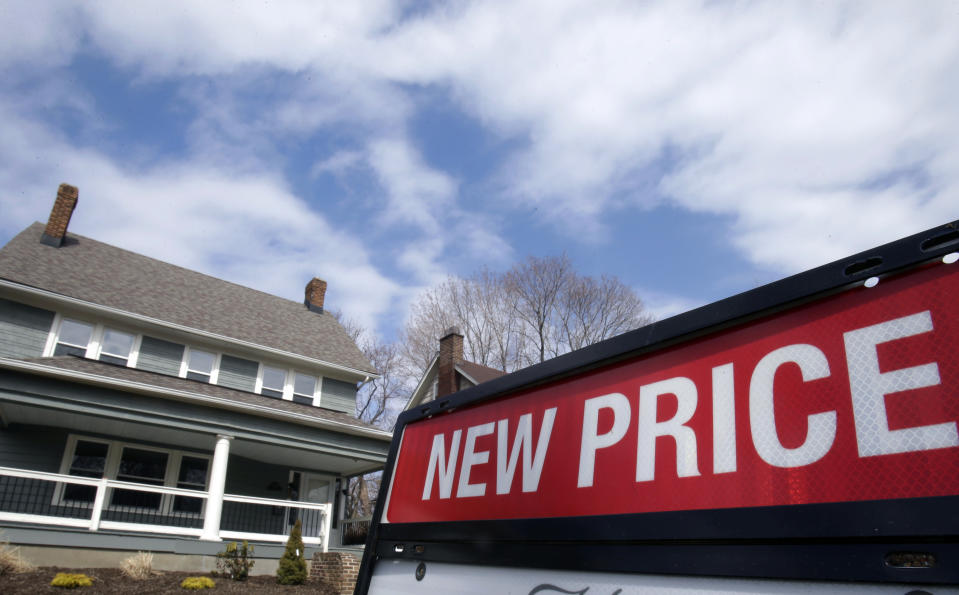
[135, 431]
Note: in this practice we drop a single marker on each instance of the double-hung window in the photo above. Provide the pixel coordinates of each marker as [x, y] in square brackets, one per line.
[73, 338]
[273, 382]
[200, 365]
[115, 346]
[304, 388]
[96, 341]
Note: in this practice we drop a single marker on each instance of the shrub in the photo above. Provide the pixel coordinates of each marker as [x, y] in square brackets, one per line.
[71, 581]
[195, 583]
[11, 562]
[235, 562]
[138, 567]
[292, 569]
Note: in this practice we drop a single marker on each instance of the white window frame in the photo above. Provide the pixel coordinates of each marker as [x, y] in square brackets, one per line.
[54, 338]
[94, 347]
[112, 466]
[66, 462]
[185, 363]
[134, 346]
[316, 387]
[287, 381]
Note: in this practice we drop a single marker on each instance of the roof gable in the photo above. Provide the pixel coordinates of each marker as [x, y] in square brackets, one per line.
[475, 373]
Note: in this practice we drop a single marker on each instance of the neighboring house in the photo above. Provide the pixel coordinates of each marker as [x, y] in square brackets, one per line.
[449, 372]
[144, 406]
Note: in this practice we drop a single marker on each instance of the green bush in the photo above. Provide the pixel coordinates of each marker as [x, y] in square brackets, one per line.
[292, 569]
[195, 583]
[235, 562]
[71, 581]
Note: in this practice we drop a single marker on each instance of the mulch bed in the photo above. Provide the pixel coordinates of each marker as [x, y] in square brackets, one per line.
[111, 580]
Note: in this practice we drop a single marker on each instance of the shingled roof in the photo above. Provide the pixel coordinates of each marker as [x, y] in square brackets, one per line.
[478, 372]
[99, 273]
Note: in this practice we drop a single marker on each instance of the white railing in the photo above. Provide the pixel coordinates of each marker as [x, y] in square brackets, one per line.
[95, 504]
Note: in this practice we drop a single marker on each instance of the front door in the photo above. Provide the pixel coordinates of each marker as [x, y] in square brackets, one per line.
[318, 489]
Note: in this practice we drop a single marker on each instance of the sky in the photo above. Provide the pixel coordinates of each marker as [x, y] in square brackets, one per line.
[694, 150]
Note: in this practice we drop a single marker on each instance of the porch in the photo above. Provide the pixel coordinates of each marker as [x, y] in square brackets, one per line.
[107, 505]
[83, 454]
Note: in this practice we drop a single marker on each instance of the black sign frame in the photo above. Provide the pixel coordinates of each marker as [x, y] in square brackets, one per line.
[914, 541]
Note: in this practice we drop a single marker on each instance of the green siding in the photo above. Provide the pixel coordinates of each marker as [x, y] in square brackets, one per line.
[68, 396]
[23, 329]
[32, 447]
[237, 373]
[338, 396]
[35, 449]
[157, 355]
[248, 477]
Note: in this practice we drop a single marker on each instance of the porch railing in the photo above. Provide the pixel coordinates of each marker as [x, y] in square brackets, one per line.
[355, 531]
[95, 504]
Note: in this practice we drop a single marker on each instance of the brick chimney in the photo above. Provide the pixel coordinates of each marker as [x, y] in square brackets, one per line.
[60, 216]
[315, 294]
[451, 353]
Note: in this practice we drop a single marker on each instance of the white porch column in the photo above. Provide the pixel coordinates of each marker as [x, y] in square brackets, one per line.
[214, 504]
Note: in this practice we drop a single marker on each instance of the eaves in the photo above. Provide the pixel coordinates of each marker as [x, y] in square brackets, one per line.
[206, 400]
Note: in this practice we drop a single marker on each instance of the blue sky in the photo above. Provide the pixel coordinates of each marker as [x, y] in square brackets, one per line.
[693, 149]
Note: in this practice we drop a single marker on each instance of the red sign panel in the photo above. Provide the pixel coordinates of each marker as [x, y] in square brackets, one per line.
[855, 397]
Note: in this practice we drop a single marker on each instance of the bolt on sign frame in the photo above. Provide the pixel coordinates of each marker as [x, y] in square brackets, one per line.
[802, 431]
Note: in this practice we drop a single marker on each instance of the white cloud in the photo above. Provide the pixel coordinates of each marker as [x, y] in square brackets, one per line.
[781, 115]
[423, 199]
[417, 194]
[818, 130]
[662, 305]
[247, 227]
[39, 33]
[337, 164]
[218, 37]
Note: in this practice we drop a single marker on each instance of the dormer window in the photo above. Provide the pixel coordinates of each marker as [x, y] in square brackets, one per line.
[116, 346]
[274, 380]
[200, 365]
[304, 388]
[74, 337]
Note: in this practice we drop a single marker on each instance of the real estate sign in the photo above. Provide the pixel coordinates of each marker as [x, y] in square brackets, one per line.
[806, 430]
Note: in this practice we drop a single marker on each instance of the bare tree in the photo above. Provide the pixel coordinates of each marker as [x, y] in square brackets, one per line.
[361, 495]
[378, 402]
[536, 288]
[479, 307]
[591, 310]
[538, 309]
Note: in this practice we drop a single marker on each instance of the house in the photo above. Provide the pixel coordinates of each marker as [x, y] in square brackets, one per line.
[144, 406]
[449, 372]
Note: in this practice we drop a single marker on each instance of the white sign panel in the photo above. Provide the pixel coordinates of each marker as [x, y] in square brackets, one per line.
[409, 577]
